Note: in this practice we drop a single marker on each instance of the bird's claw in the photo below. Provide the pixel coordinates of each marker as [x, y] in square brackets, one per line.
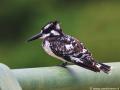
[63, 64]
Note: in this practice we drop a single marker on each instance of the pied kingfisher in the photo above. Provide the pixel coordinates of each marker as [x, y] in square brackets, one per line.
[67, 48]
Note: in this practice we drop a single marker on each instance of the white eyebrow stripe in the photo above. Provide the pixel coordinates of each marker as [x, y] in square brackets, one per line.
[47, 26]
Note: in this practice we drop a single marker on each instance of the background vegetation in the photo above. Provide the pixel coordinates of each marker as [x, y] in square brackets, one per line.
[96, 23]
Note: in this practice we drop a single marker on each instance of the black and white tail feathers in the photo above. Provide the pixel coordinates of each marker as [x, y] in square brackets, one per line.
[96, 67]
[105, 68]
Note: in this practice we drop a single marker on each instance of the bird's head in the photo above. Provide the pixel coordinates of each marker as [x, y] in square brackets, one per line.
[51, 29]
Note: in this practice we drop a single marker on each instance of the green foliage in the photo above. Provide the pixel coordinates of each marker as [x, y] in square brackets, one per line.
[96, 23]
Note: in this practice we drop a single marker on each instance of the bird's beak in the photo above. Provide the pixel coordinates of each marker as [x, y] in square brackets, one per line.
[35, 37]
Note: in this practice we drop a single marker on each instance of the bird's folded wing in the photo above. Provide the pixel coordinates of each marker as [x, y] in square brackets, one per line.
[66, 46]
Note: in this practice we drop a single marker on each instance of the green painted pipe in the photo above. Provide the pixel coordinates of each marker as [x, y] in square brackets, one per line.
[71, 78]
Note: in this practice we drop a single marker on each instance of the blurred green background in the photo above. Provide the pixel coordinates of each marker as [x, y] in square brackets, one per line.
[95, 23]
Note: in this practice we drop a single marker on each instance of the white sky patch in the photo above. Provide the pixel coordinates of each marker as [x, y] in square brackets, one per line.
[47, 26]
[54, 32]
[57, 26]
[69, 46]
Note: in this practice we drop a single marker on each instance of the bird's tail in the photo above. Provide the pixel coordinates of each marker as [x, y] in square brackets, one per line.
[103, 67]
[96, 67]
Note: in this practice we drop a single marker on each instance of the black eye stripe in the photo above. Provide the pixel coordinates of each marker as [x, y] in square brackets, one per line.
[49, 27]
[46, 31]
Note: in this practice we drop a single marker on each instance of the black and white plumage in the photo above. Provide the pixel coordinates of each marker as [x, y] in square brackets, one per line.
[67, 48]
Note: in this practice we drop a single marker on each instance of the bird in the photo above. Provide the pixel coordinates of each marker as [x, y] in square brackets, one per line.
[67, 48]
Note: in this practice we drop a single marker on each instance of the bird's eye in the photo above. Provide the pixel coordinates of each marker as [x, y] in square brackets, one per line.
[46, 31]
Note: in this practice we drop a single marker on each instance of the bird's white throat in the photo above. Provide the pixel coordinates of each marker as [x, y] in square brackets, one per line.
[48, 50]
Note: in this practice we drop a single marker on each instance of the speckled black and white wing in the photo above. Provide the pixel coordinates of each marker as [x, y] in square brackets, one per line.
[66, 47]
[71, 50]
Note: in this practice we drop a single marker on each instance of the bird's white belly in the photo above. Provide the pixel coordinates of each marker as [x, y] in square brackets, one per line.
[47, 49]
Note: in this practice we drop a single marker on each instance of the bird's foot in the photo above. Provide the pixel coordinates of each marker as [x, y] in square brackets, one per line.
[63, 64]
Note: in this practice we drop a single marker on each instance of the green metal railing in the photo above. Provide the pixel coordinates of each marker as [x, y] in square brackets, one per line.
[57, 78]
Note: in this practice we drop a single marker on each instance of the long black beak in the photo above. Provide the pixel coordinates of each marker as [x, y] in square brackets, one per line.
[35, 37]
